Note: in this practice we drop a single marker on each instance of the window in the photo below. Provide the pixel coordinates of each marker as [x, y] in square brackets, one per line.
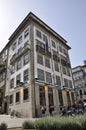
[26, 75]
[40, 44]
[12, 83]
[63, 57]
[14, 46]
[80, 91]
[55, 53]
[44, 38]
[84, 91]
[70, 83]
[60, 48]
[40, 74]
[25, 94]
[19, 50]
[17, 96]
[20, 40]
[11, 99]
[64, 51]
[40, 59]
[18, 64]
[26, 58]
[48, 77]
[65, 82]
[47, 63]
[12, 69]
[26, 33]
[68, 71]
[76, 84]
[18, 80]
[64, 69]
[60, 97]
[58, 80]
[42, 96]
[38, 34]
[56, 67]
[53, 44]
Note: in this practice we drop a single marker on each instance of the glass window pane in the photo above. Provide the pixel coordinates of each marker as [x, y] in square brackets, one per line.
[40, 74]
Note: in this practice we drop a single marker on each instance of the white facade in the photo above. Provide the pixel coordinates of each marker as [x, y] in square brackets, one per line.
[38, 69]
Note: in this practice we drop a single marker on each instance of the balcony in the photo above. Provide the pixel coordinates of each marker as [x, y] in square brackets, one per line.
[20, 53]
[64, 62]
[40, 49]
[56, 58]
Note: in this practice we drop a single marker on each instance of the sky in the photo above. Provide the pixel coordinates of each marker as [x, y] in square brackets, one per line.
[66, 17]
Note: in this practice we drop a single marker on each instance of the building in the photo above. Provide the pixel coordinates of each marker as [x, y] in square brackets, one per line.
[38, 69]
[3, 66]
[79, 77]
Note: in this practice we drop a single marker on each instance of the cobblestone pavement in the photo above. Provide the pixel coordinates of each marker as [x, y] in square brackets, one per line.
[13, 121]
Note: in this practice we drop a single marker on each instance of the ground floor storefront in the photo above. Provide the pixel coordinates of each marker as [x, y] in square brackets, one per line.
[52, 99]
[38, 100]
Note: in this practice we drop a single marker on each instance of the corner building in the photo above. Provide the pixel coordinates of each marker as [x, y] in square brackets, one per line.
[38, 69]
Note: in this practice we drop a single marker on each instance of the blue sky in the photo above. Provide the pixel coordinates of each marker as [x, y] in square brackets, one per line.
[66, 17]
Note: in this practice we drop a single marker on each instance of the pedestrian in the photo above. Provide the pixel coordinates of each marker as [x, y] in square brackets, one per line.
[63, 112]
[50, 110]
[43, 111]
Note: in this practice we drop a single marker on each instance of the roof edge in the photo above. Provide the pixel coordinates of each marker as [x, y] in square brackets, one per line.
[34, 17]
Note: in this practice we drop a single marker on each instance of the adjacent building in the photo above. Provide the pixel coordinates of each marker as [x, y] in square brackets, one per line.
[38, 69]
[3, 69]
[79, 77]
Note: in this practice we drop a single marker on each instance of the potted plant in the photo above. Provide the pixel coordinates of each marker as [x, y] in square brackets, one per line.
[3, 126]
[28, 125]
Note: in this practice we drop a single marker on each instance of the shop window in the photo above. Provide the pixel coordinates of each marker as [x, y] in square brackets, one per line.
[25, 94]
[11, 99]
[17, 96]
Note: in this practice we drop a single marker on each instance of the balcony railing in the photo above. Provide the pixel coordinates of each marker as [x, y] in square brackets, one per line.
[47, 53]
[42, 50]
[20, 53]
[64, 62]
